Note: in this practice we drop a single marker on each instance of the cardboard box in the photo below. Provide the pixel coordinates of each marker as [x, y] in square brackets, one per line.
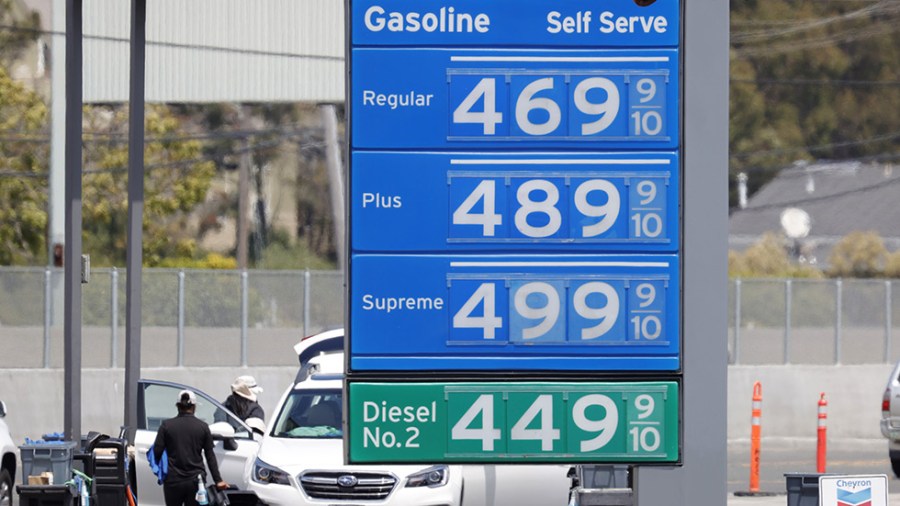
[45, 478]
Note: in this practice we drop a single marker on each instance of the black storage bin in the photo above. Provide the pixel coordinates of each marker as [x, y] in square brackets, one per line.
[242, 498]
[108, 495]
[46, 495]
[803, 488]
[109, 468]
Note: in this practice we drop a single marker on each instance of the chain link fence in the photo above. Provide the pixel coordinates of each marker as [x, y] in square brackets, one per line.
[799, 321]
[188, 317]
[223, 318]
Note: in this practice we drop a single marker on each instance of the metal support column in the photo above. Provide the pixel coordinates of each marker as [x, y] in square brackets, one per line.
[704, 252]
[134, 254]
[72, 254]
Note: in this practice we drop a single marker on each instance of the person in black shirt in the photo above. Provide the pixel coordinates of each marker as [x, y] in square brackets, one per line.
[243, 401]
[186, 439]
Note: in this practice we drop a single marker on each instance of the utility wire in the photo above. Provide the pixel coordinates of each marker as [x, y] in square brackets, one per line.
[817, 82]
[849, 35]
[822, 198]
[88, 137]
[174, 164]
[882, 8]
[820, 147]
[233, 50]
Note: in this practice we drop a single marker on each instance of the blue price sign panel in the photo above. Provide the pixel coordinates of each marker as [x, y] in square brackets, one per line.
[513, 422]
[570, 23]
[465, 98]
[515, 312]
[514, 201]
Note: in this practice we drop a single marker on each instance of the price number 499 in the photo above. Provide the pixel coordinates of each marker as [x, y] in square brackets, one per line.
[537, 311]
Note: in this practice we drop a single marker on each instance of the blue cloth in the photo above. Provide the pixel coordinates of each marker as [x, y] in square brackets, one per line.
[161, 468]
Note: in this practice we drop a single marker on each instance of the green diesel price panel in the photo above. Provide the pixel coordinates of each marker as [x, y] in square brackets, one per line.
[513, 422]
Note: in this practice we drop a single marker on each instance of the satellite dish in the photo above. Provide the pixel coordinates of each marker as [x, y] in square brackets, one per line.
[795, 222]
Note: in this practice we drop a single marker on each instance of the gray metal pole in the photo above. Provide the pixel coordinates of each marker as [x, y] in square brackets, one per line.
[704, 160]
[737, 321]
[788, 295]
[72, 254]
[114, 316]
[180, 360]
[306, 279]
[48, 309]
[244, 316]
[838, 307]
[134, 253]
[335, 175]
[888, 321]
[243, 221]
[57, 181]
[57, 130]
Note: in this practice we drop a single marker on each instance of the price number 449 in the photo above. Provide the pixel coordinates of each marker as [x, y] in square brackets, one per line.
[537, 424]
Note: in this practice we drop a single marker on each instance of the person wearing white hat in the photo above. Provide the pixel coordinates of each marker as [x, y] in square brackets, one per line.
[243, 400]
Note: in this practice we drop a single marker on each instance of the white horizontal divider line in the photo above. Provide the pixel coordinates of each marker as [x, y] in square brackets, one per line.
[555, 264]
[574, 59]
[555, 161]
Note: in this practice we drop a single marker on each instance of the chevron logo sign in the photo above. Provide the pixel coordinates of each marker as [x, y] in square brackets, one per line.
[853, 490]
[854, 497]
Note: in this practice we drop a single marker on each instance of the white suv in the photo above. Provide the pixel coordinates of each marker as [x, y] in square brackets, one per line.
[890, 417]
[300, 459]
[7, 461]
[301, 456]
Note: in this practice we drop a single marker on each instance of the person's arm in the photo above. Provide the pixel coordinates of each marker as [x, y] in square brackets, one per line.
[257, 412]
[160, 443]
[211, 461]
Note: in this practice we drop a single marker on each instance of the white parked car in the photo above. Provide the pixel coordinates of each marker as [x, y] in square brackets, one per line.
[7, 460]
[300, 460]
[890, 417]
[236, 443]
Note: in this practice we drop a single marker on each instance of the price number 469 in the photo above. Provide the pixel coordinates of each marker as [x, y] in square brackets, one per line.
[541, 106]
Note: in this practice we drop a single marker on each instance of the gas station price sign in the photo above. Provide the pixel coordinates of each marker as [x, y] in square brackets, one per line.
[515, 312]
[514, 192]
[503, 422]
[473, 98]
[516, 201]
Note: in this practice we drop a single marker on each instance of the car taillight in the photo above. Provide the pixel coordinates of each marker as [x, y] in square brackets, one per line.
[886, 403]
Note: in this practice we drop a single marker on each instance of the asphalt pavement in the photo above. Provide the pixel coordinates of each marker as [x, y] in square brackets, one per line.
[781, 500]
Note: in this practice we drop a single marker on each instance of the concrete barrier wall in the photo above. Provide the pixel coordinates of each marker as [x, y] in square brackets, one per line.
[790, 397]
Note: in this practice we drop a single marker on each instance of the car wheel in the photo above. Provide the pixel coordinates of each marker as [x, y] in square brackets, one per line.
[895, 465]
[6, 488]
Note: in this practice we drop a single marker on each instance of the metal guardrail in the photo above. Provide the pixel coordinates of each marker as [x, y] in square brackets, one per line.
[193, 317]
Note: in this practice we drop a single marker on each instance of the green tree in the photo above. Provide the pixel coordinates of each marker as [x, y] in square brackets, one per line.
[176, 180]
[858, 255]
[811, 80]
[767, 258]
[23, 183]
[18, 29]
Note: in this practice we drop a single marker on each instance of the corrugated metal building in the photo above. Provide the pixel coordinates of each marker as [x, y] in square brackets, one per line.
[216, 50]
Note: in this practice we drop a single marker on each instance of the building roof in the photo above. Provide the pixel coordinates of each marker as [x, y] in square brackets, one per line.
[839, 197]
